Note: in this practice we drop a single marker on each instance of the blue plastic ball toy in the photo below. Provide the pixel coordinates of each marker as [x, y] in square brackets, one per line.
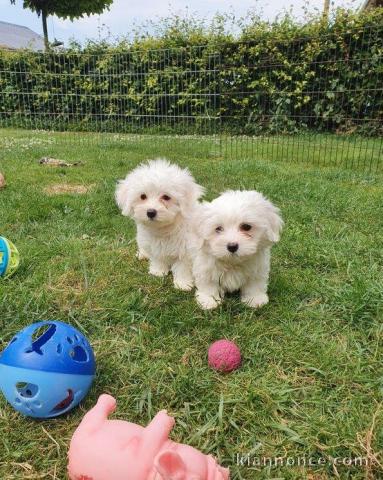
[46, 369]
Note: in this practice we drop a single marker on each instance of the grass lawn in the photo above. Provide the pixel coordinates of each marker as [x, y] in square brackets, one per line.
[311, 380]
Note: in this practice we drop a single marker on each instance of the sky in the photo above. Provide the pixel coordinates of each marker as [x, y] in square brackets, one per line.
[123, 14]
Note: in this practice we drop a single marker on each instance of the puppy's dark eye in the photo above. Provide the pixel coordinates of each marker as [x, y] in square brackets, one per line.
[143, 196]
[165, 197]
[219, 229]
[245, 227]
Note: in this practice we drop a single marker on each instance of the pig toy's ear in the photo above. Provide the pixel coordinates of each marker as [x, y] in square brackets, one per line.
[170, 466]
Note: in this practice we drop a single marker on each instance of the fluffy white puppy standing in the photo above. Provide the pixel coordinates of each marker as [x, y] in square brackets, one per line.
[161, 198]
[236, 231]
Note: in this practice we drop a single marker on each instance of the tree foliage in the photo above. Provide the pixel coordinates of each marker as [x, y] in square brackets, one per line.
[67, 8]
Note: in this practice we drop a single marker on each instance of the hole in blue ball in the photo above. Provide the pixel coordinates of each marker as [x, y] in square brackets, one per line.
[79, 354]
[59, 348]
[64, 403]
[27, 390]
[40, 337]
[69, 340]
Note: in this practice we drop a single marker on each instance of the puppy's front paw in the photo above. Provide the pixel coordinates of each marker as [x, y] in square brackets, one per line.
[185, 284]
[158, 271]
[141, 255]
[207, 302]
[256, 300]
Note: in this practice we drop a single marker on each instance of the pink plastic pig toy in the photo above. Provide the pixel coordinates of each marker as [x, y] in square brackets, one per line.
[103, 449]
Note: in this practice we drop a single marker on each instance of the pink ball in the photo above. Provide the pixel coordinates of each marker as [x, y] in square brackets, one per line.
[224, 356]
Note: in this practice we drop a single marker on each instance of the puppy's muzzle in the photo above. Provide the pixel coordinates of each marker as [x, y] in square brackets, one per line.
[232, 247]
[151, 213]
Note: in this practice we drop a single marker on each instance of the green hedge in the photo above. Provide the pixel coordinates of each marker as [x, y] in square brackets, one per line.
[274, 78]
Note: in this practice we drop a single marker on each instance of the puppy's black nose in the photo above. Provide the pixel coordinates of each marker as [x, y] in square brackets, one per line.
[151, 213]
[232, 247]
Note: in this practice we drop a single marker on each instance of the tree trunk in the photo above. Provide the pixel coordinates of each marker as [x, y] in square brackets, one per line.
[326, 10]
[45, 30]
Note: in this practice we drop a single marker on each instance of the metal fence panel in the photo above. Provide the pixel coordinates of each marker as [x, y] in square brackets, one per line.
[293, 102]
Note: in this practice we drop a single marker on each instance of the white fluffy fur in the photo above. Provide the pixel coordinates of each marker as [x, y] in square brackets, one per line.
[164, 240]
[215, 268]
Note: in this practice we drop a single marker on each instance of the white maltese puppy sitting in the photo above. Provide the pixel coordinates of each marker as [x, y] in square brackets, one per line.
[161, 198]
[236, 231]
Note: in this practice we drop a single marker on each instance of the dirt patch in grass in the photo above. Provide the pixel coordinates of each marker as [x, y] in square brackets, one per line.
[61, 188]
[72, 290]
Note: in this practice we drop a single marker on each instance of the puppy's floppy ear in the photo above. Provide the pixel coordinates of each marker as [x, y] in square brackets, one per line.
[122, 196]
[266, 214]
[274, 222]
[191, 191]
[201, 216]
[194, 192]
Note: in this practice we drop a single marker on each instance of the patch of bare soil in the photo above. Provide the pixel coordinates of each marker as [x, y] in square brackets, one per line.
[60, 188]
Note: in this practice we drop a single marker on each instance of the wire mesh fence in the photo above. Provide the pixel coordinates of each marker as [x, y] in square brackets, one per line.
[161, 91]
[313, 99]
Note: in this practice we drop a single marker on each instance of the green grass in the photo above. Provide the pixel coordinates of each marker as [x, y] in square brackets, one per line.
[311, 380]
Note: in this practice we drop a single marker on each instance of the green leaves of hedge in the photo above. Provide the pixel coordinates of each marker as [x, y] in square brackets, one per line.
[277, 78]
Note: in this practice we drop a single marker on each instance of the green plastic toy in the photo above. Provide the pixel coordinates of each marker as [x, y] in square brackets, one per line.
[9, 258]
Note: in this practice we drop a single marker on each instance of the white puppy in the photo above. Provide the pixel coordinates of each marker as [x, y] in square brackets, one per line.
[161, 198]
[236, 231]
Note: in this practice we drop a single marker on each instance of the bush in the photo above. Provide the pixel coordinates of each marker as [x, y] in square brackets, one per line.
[273, 78]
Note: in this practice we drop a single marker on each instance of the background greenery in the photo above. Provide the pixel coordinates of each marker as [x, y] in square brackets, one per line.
[281, 77]
[311, 379]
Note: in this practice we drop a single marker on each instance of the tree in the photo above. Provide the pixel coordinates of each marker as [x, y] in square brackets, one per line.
[326, 10]
[64, 9]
